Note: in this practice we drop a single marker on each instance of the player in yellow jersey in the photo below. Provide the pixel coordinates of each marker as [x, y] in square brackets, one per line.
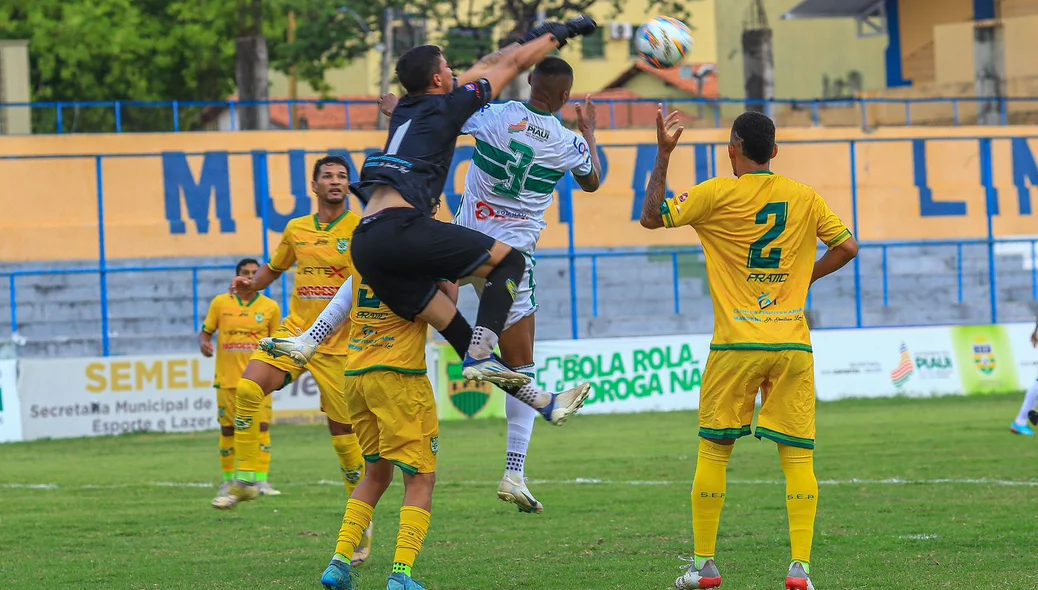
[760, 233]
[241, 321]
[317, 245]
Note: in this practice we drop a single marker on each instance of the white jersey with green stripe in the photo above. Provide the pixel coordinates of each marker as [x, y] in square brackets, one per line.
[521, 154]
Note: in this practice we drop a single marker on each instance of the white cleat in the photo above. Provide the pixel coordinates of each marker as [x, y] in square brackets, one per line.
[565, 404]
[704, 577]
[265, 489]
[226, 487]
[492, 370]
[294, 348]
[513, 489]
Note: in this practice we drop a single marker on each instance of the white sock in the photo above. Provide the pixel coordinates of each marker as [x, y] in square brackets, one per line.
[521, 419]
[333, 316]
[483, 343]
[1030, 401]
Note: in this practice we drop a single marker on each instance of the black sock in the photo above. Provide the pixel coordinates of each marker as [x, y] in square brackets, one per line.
[458, 334]
[499, 294]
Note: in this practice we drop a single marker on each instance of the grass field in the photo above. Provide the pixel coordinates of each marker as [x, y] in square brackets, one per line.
[916, 494]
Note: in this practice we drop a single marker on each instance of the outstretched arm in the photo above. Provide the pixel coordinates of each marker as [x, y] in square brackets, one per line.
[503, 66]
[668, 131]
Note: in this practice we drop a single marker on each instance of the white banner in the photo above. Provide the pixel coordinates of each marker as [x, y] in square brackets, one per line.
[915, 362]
[65, 398]
[10, 409]
[652, 374]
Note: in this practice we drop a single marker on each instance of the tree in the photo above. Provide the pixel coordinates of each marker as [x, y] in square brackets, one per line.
[138, 50]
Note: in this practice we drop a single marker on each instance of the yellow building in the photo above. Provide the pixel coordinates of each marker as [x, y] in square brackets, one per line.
[597, 60]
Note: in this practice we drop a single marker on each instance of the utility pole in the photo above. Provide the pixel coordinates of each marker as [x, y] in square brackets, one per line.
[387, 61]
[293, 89]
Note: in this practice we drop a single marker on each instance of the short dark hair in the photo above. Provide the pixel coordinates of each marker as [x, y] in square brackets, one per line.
[341, 161]
[553, 66]
[417, 66]
[243, 263]
[756, 132]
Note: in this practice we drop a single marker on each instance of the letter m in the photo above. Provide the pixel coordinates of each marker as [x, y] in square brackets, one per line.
[177, 178]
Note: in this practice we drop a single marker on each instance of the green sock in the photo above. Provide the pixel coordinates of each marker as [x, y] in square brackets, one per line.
[807, 566]
[400, 568]
[228, 476]
[701, 561]
[247, 476]
[341, 557]
[261, 476]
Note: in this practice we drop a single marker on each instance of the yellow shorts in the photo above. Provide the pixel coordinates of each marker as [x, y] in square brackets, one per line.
[225, 407]
[786, 380]
[326, 369]
[394, 417]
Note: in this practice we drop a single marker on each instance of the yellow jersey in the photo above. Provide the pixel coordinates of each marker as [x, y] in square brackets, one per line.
[380, 340]
[760, 234]
[321, 255]
[241, 324]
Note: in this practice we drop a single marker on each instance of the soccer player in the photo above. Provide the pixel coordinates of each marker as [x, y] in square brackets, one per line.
[401, 250]
[1027, 408]
[318, 245]
[241, 320]
[759, 232]
[510, 207]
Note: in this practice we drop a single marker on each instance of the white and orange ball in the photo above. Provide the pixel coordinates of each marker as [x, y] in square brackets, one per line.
[663, 42]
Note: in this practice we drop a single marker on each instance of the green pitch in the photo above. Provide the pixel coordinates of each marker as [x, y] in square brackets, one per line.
[108, 524]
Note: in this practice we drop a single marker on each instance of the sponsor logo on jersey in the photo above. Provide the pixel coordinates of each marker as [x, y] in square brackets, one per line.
[326, 271]
[682, 197]
[762, 277]
[314, 292]
[582, 149]
[473, 87]
[484, 212]
[342, 245]
[765, 301]
[531, 130]
[321, 242]
[239, 347]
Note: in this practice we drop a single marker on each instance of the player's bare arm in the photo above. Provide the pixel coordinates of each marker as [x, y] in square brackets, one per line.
[262, 280]
[1034, 334]
[668, 132]
[449, 289]
[587, 122]
[502, 67]
[205, 343]
[835, 259]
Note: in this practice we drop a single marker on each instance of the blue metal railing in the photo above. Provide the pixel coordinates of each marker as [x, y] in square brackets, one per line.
[119, 109]
[593, 257]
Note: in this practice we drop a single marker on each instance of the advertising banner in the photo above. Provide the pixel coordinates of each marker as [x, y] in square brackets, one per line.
[456, 397]
[916, 362]
[985, 358]
[65, 398]
[627, 375]
[10, 409]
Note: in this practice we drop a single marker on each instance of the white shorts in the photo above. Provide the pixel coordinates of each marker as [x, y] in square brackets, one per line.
[525, 303]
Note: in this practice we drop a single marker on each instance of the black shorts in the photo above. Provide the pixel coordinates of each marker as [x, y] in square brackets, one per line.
[401, 253]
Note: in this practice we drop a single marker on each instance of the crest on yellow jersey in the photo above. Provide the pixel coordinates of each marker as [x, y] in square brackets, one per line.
[342, 245]
[259, 318]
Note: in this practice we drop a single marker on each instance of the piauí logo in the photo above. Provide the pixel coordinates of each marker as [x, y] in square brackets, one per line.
[904, 369]
[520, 126]
[468, 397]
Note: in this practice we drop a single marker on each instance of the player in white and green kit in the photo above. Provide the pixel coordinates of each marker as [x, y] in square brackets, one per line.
[522, 151]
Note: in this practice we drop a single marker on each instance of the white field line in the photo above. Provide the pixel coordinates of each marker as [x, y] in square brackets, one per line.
[567, 482]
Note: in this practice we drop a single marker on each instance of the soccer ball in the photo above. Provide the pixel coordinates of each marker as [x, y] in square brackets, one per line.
[663, 42]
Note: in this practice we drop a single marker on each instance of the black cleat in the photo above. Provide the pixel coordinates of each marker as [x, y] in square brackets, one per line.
[1032, 416]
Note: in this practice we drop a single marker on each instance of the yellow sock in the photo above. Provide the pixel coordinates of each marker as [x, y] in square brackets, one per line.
[801, 499]
[351, 461]
[357, 518]
[263, 463]
[414, 525]
[227, 456]
[708, 491]
[248, 400]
